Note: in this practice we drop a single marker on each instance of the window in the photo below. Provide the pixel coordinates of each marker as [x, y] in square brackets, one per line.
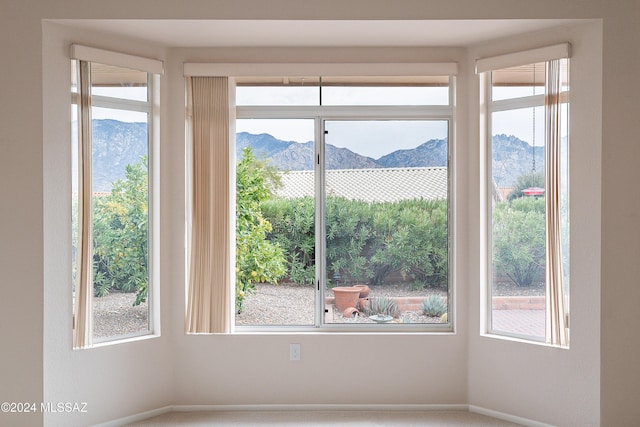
[342, 203]
[113, 220]
[528, 200]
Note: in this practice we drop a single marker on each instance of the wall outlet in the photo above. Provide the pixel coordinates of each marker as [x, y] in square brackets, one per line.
[294, 351]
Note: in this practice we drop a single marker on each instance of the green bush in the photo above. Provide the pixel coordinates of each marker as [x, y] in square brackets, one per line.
[349, 231]
[519, 240]
[412, 238]
[293, 229]
[365, 242]
[120, 238]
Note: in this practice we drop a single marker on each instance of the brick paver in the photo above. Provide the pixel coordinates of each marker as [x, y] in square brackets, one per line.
[522, 322]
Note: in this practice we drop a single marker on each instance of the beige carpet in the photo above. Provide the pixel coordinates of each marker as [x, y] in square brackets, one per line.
[325, 418]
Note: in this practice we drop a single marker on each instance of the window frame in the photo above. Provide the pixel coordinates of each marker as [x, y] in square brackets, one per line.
[488, 106]
[151, 107]
[320, 114]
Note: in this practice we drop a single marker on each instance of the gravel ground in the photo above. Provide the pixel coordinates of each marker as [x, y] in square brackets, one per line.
[286, 304]
[283, 304]
[115, 315]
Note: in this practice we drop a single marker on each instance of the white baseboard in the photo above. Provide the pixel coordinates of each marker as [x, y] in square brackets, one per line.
[322, 407]
[136, 417]
[506, 417]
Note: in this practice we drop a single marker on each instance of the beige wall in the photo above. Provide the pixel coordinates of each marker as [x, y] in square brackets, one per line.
[35, 362]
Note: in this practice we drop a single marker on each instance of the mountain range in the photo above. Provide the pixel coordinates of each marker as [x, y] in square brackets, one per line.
[116, 144]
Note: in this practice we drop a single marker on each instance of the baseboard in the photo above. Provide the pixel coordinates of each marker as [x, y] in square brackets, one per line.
[506, 417]
[323, 407]
[136, 417]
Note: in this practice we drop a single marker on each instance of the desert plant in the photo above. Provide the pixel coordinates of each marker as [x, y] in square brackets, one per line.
[434, 306]
[382, 306]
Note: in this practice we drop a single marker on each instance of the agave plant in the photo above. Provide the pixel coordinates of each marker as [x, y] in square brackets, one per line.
[434, 306]
[382, 306]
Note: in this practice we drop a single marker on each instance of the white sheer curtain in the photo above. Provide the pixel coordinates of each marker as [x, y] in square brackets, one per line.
[556, 330]
[82, 326]
[209, 290]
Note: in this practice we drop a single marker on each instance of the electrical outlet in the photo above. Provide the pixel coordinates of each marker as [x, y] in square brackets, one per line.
[294, 351]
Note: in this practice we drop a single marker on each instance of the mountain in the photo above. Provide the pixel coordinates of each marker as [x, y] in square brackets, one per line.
[116, 144]
[431, 153]
[513, 157]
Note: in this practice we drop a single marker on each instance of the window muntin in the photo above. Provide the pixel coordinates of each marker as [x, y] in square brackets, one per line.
[518, 218]
[120, 128]
[383, 121]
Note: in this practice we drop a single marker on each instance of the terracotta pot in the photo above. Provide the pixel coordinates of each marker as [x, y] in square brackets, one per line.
[350, 312]
[345, 297]
[364, 290]
[363, 303]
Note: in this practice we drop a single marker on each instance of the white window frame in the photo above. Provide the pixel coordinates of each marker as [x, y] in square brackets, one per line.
[484, 67]
[154, 68]
[320, 114]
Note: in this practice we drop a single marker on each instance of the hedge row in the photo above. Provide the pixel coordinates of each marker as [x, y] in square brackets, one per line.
[366, 242]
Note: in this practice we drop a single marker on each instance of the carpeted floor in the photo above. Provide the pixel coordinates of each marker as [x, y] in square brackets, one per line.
[325, 418]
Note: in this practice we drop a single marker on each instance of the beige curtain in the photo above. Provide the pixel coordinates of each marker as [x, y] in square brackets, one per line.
[82, 327]
[556, 331]
[208, 299]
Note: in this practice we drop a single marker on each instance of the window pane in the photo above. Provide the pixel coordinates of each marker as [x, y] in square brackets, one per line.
[386, 220]
[518, 222]
[118, 82]
[275, 223]
[392, 95]
[277, 95]
[120, 218]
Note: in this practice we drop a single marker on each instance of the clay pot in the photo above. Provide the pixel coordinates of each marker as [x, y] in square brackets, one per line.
[345, 297]
[363, 303]
[364, 290]
[350, 312]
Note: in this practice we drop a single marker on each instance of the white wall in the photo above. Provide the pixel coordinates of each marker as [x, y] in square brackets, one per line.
[556, 386]
[335, 369]
[114, 380]
[32, 370]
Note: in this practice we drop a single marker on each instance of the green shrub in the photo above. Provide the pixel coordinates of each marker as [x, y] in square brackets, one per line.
[349, 232]
[293, 229]
[365, 242]
[382, 306]
[434, 306]
[519, 240]
[412, 238]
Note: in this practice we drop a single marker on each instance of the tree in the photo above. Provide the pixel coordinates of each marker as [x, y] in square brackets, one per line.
[120, 235]
[257, 259]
